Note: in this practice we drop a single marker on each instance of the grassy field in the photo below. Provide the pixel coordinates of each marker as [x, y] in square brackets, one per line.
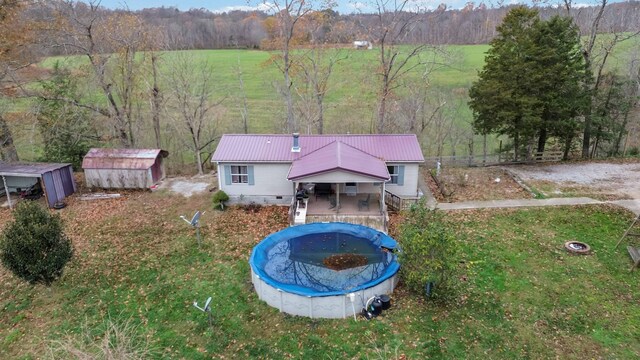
[350, 104]
[521, 295]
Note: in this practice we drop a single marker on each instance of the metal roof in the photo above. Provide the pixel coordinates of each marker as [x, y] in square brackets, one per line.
[338, 156]
[136, 159]
[277, 148]
[28, 169]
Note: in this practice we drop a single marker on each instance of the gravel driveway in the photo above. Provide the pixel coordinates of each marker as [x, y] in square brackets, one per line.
[620, 179]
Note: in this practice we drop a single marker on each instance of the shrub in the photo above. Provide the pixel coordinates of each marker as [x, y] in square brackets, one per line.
[429, 250]
[34, 246]
[219, 198]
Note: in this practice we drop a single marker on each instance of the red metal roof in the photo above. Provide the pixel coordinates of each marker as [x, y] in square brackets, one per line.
[277, 148]
[137, 159]
[338, 156]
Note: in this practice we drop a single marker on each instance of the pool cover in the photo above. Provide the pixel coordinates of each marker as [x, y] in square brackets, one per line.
[292, 260]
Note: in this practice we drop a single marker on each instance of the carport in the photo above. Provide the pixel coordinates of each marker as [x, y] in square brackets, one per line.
[56, 180]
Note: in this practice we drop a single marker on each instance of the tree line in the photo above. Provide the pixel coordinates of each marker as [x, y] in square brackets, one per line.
[472, 24]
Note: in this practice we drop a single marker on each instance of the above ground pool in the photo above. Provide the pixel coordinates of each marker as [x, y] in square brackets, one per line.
[323, 269]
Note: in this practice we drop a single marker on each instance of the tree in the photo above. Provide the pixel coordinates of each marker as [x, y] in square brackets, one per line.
[15, 34]
[429, 250]
[34, 246]
[315, 67]
[501, 100]
[66, 130]
[284, 29]
[531, 83]
[113, 45]
[596, 52]
[191, 104]
[558, 80]
[394, 21]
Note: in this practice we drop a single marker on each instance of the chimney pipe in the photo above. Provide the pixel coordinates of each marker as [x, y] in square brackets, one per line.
[296, 143]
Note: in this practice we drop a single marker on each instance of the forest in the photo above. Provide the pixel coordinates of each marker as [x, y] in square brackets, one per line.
[75, 75]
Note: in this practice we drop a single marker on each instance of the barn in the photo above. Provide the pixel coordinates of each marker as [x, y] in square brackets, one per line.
[31, 180]
[124, 168]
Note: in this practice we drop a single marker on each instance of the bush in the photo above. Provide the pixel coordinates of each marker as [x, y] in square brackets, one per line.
[34, 246]
[219, 198]
[429, 251]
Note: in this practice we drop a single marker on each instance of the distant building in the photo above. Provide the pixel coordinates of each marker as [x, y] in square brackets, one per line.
[362, 44]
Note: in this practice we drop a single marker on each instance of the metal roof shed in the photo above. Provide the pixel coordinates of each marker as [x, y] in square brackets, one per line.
[124, 168]
[56, 179]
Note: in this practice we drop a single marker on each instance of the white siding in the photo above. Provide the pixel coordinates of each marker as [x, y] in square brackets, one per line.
[410, 187]
[270, 182]
[118, 178]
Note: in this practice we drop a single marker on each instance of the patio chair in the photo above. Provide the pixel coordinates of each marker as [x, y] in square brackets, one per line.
[333, 202]
[364, 203]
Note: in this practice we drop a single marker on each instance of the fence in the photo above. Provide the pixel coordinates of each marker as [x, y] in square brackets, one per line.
[490, 160]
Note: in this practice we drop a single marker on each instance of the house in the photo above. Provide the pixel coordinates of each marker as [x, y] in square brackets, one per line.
[124, 168]
[341, 174]
[54, 181]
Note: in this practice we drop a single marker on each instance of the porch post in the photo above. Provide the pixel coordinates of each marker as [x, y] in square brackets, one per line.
[6, 190]
[337, 198]
[382, 198]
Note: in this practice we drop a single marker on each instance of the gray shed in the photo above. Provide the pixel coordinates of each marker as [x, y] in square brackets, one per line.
[56, 180]
[124, 168]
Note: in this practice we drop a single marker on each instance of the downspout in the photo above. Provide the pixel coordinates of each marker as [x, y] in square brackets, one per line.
[219, 178]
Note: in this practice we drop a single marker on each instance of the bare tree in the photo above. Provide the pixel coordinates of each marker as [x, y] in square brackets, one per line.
[244, 110]
[315, 68]
[14, 36]
[191, 104]
[595, 51]
[289, 15]
[394, 21]
[112, 44]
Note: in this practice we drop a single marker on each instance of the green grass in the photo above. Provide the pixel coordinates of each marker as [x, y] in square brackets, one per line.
[522, 295]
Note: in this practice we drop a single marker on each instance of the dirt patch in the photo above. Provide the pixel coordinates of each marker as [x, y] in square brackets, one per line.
[189, 186]
[601, 180]
[471, 184]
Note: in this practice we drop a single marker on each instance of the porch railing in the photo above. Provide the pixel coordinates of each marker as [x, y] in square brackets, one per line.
[397, 203]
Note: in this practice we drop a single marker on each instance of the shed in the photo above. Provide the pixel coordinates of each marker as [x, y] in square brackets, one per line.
[124, 168]
[56, 180]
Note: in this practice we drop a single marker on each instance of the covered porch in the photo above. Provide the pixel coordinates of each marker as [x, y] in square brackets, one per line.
[339, 183]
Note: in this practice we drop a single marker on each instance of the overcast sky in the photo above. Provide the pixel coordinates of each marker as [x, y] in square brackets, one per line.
[344, 6]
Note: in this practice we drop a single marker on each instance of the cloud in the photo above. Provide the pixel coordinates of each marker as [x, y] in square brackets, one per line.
[266, 7]
[357, 6]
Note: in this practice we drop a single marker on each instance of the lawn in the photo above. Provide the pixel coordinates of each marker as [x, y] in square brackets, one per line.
[521, 295]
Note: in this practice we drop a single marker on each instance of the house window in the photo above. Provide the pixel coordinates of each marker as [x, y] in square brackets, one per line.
[394, 171]
[239, 174]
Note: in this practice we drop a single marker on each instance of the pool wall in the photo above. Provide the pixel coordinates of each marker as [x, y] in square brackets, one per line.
[327, 307]
[297, 300]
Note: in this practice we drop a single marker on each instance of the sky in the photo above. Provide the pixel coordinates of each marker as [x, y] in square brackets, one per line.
[344, 6]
